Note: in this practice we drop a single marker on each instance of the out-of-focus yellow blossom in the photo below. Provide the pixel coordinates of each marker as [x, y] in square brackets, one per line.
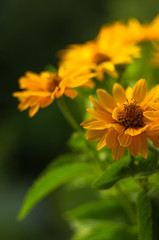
[125, 120]
[155, 58]
[40, 90]
[137, 32]
[103, 54]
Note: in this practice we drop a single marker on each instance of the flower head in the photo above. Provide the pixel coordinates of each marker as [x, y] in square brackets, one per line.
[137, 32]
[104, 53]
[40, 90]
[123, 121]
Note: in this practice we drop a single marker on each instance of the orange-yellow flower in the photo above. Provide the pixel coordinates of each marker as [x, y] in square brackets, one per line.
[155, 59]
[104, 53]
[40, 90]
[137, 32]
[123, 121]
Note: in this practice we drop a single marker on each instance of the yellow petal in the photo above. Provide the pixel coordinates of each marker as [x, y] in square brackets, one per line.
[93, 124]
[139, 90]
[97, 105]
[134, 147]
[93, 135]
[115, 113]
[129, 93]
[117, 151]
[102, 142]
[106, 99]
[136, 131]
[33, 110]
[124, 140]
[152, 115]
[119, 128]
[101, 116]
[154, 139]
[119, 93]
[71, 93]
[153, 129]
[152, 95]
[143, 145]
[111, 138]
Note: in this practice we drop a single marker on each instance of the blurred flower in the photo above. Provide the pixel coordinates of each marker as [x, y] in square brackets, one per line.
[40, 90]
[155, 59]
[137, 32]
[123, 121]
[103, 54]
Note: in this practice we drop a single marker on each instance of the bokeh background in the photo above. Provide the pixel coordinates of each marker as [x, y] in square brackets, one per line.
[31, 34]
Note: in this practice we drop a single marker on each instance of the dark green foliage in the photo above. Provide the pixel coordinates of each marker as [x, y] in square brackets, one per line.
[126, 168]
[144, 216]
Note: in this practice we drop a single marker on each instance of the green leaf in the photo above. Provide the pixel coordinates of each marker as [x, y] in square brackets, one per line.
[125, 168]
[155, 213]
[50, 68]
[108, 208]
[144, 216]
[78, 141]
[49, 181]
[105, 231]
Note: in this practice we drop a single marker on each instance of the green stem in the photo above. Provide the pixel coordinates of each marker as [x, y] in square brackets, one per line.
[67, 114]
[125, 202]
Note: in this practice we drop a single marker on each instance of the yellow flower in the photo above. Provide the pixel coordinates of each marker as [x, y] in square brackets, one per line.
[123, 121]
[155, 59]
[40, 90]
[103, 54]
[137, 32]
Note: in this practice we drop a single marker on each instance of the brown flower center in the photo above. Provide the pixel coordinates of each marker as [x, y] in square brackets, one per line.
[100, 58]
[54, 82]
[131, 115]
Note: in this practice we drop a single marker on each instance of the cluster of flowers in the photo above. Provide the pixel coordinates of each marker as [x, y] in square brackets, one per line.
[126, 120]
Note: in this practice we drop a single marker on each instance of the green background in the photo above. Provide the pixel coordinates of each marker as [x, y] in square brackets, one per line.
[31, 34]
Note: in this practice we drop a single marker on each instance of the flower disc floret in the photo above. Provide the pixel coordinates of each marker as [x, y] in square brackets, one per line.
[131, 115]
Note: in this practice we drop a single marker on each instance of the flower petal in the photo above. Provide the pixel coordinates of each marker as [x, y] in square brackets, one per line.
[139, 90]
[93, 135]
[134, 147]
[102, 142]
[152, 115]
[106, 99]
[143, 145]
[93, 124]
[111, 138]
[33, 110]
[117, 151]
[71, 93]
[119, 93]
[97, 105]
[101, 116]
[124, 140]
[129, 93]
[151, 96]
[136, 131]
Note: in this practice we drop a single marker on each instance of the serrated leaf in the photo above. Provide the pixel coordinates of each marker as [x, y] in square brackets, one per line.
[144, 216]
[49, 181]
[126, 168]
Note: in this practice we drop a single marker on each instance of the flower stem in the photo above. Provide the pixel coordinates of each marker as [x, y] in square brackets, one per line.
[67, 114]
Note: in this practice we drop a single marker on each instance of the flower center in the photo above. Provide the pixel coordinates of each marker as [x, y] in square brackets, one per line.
[100, 58]
[131, 115]
[54, 82]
